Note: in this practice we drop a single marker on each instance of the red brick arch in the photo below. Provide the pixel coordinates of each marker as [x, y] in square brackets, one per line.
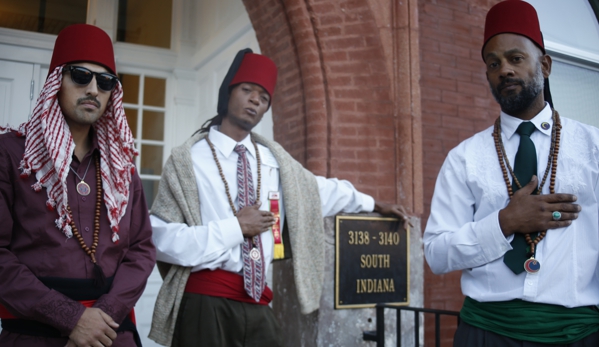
[349, 98]
[347, 102]
[335, 108]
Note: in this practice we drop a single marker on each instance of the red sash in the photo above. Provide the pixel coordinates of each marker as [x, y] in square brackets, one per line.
[5, 314]
[223, 284]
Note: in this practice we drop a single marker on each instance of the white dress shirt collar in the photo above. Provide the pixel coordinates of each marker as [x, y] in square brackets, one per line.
[509, 124]
[225, 145]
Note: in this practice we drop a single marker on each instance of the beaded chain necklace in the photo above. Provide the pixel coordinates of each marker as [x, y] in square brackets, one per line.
[222, 175]
[551, 166]
[91, 251]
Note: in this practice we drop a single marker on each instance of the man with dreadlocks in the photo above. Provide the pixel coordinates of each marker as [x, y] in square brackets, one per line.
[516, 206]
[219, 194]
[75, 240]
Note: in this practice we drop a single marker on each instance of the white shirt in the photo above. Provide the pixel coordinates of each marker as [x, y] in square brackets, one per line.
[217, 243]
[463, 230]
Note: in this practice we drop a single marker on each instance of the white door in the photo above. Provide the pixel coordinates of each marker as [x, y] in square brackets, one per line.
[19, 86]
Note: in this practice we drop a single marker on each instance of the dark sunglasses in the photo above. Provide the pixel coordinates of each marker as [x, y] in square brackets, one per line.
[82, 76]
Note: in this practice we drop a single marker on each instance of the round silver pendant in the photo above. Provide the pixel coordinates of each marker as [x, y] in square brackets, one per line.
[83, 188]
[255, 254]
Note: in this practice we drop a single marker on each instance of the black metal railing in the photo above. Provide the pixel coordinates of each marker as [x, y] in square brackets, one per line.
[378, 335]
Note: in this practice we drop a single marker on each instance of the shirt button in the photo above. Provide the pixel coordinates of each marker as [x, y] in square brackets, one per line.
[83, 198]
[529, 283]
[86, 228]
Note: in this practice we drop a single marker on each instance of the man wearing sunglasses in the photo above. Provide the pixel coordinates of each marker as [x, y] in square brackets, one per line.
[75, 238]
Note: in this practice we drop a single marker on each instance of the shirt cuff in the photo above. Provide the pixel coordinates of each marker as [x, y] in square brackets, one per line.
[113, 307]
[231, 232]
[490, 237]
[59, 311]
[367, 202]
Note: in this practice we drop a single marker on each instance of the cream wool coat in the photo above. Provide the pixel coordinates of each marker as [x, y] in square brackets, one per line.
[178, 202]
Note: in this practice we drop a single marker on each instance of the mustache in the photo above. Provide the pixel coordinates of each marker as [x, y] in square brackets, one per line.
[89, 98]
[506, 81]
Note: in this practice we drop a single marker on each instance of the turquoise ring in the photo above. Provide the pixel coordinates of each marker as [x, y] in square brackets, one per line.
[556, 215]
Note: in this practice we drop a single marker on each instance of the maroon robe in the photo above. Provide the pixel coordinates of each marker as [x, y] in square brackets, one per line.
[32, 246]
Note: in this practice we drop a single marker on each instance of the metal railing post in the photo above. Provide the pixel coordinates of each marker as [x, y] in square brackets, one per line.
[379, 334]
[380, 325]
[416, 327]
[398, 328]
[437, 330]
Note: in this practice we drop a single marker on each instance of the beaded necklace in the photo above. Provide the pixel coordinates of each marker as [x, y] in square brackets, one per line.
[222, 175]
[91, 251]
[551, 166]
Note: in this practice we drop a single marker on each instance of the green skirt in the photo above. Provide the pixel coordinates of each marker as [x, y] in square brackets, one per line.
[529, 321]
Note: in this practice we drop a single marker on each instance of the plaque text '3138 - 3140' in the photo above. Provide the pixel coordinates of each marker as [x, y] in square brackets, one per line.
[371, 261]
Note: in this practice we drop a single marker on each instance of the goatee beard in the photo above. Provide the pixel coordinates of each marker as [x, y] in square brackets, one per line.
[516, 103]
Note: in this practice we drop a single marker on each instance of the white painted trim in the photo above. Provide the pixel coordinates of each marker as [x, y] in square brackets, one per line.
[222, 41]
[104, 14]
[152, 143]
[128, 54]
[145, 107]
[149, 177]
[169, 114]
[28, 39]
[184, 74]
[176, 20]
[575, 53]
[185, 101]
[24, 54]
[136, 70]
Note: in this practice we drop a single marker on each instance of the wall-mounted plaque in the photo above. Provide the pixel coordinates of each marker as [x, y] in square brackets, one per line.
[371, 261]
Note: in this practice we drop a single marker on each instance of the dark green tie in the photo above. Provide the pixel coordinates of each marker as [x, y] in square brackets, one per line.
[525, 166]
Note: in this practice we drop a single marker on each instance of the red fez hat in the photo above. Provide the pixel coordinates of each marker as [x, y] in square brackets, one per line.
[516, 17]
[83, 42]
[257, 69]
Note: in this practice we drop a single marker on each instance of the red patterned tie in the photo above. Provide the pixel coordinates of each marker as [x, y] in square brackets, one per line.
[253, 264]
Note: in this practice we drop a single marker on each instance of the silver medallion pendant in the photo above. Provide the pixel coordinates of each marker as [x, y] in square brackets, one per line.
[255, 254]
[83, 188]
[532, 266]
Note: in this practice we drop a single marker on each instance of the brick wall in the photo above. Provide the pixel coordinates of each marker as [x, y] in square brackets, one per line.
[335, 106]
[362, 124]
[276, 41]
[456, 103]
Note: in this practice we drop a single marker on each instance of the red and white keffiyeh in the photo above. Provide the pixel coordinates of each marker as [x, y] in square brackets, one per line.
[49, 147]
